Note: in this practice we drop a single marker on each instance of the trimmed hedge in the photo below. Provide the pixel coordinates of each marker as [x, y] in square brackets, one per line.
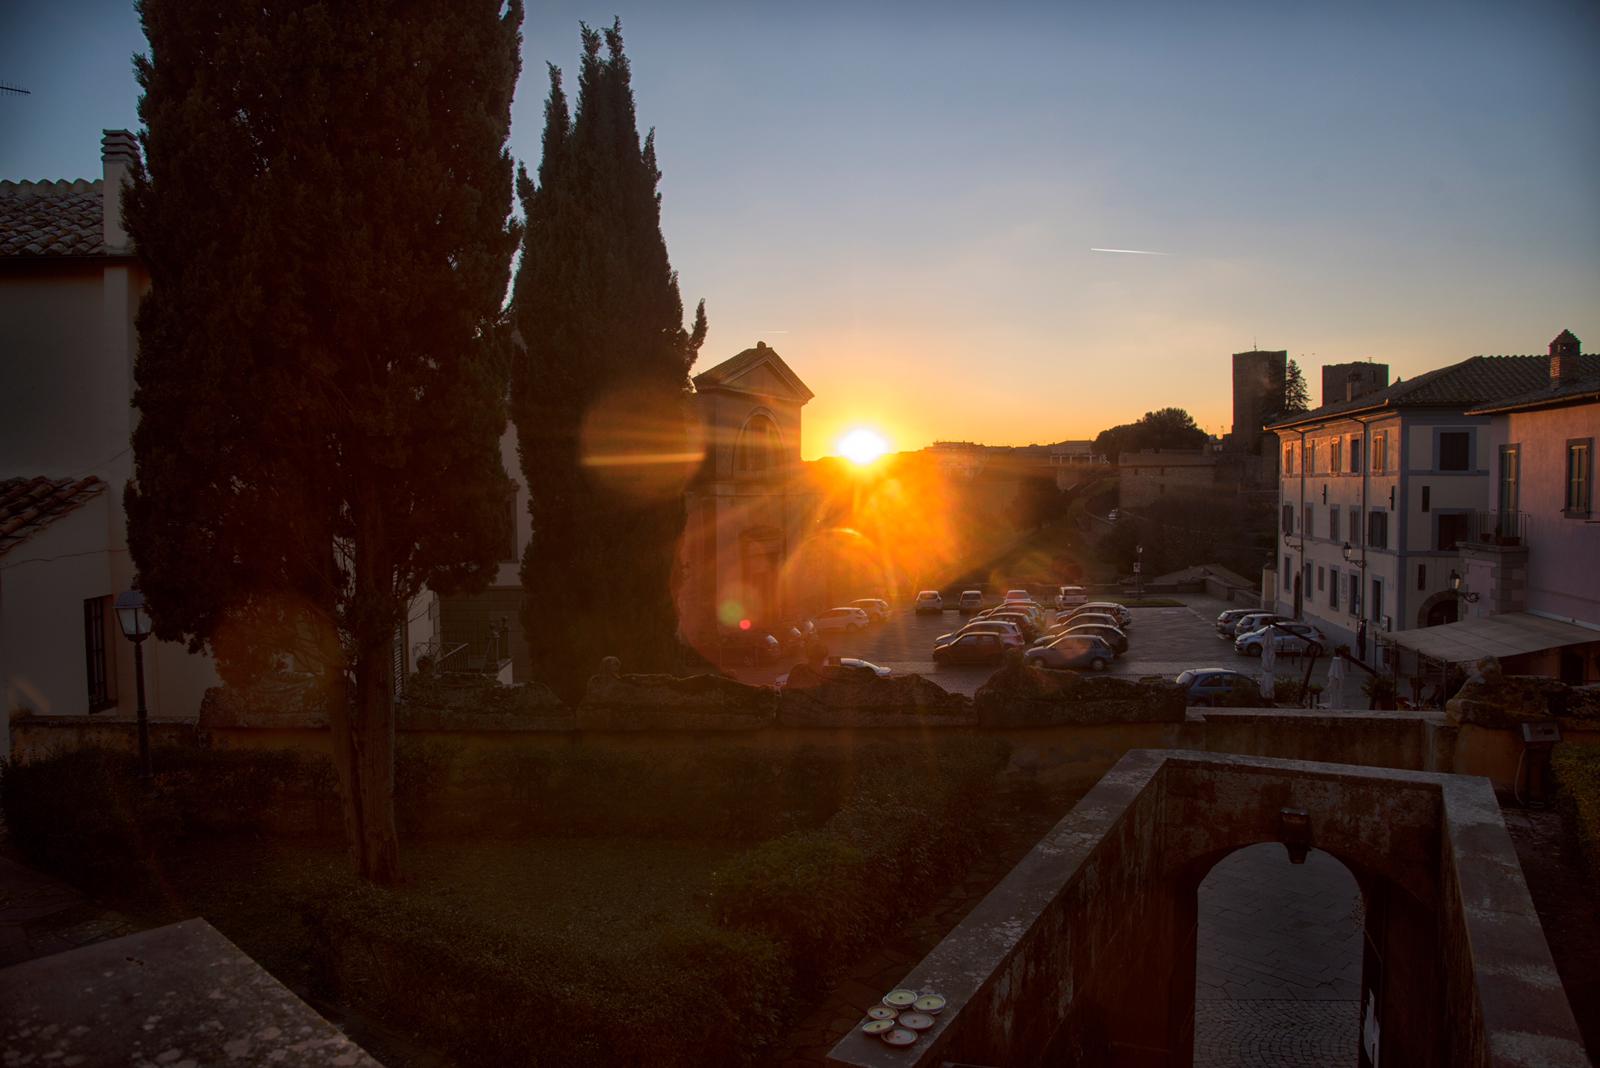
[689, 994]
[827, 895]
[1577, 773]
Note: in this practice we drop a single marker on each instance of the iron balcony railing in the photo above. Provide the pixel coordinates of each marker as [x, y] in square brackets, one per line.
[1498, 528]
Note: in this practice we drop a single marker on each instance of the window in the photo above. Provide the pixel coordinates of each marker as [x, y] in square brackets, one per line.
[1288, 459]
[1287, 567]
[1307, 585]
[1378, 529]
[1375, 607]
[1455, 450]
[99, 668]
[1453, 529]
[1333, 522]
[760, 448]
[1355, 526]
[1509, 475]
[1308, 527]
[1311, 457]
[1580, 476]
[1355, 594]
[1355, 456]
[1322, 575]
[1288, 519]
[1333, 588]
[1380, 452]
[1422, 576]
[1335, 455]
[1425, 498]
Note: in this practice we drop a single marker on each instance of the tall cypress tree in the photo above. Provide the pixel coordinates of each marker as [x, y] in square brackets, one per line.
[324, 211]
[600, 393]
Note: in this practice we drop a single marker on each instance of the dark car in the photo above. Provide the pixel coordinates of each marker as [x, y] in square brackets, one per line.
[1112, 636]
[1227, 620]
[1022, 620]
[1071, 652]
[749, 647]
[970, 649]
[1222, 688]
[1066, 623]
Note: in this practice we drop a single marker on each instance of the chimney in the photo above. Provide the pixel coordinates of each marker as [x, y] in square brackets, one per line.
[1564, 358]
[119, 154]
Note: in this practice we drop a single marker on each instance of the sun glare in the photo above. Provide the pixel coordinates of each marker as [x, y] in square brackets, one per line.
[862, 446]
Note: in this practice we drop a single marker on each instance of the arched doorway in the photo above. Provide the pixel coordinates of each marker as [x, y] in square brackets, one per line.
[1277, 960]
[1438, 610]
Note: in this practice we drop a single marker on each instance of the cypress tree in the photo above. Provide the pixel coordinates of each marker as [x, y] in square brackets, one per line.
[324, 211]
[600, 391]
[1296, 397]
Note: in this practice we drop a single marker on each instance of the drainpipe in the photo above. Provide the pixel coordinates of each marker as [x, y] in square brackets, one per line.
[1300, 571]
[1366, 519]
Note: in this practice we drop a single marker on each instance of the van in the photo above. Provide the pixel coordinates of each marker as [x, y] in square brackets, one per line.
[1070, 597]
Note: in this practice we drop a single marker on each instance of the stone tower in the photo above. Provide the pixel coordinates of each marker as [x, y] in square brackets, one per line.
[1258, 379]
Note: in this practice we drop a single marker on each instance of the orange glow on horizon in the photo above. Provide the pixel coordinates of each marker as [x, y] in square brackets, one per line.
[862, 446]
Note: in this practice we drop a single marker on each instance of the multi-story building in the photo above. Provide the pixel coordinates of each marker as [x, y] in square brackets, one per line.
[1377, 493]
[1259, 378]
[1144, 478]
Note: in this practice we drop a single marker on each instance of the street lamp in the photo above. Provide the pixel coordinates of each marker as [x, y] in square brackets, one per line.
[1455, 586]
[1350, 556]
[135, 623]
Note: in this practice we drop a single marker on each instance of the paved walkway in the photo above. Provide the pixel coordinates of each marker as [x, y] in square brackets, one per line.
[1278, 962]
[40, 916]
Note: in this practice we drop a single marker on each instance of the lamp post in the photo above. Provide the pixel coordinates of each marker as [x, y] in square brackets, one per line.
[135, 623]
[1350, 556]
[1455, 587]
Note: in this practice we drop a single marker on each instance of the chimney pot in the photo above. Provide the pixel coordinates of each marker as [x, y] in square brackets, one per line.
[1564, 358]
[119, 153]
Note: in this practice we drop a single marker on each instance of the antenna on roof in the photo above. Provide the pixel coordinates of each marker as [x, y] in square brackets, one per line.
[6, 87]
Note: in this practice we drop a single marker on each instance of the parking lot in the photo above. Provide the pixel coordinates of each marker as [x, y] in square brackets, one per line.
[1161, 641]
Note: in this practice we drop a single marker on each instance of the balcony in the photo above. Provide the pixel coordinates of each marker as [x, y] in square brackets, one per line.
[1497, 528]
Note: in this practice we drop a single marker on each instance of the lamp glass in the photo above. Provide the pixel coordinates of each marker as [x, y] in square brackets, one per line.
[131, 616]
[1455, 580]
[1347, 552]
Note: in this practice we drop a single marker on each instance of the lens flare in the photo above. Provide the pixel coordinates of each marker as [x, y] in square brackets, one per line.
[862, 446]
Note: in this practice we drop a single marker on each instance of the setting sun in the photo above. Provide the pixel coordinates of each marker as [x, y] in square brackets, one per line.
[862, 446]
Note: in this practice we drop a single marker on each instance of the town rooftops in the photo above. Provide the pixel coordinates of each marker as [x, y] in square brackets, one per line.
[52, 219]
[1472, 383]
[28, 505]
[729, 373]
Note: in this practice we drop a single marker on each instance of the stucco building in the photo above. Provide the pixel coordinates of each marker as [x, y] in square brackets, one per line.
[70, 285]
[1378, 493]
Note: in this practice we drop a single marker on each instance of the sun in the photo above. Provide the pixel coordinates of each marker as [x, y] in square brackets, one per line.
[862, 446]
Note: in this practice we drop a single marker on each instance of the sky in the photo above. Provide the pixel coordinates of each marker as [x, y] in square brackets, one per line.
[903, 199]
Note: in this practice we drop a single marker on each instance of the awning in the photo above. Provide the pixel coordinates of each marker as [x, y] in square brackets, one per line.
[1511, 634]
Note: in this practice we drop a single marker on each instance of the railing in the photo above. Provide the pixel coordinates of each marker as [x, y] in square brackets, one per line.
[1498, 528]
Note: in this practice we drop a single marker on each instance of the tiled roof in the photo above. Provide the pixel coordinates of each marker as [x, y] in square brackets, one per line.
[1468, 384]
[28, 505]
[51, 219]
[728, 370]
[1584, 388]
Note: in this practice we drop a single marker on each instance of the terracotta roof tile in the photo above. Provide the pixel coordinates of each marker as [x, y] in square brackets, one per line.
[58, 218]
[28, 505]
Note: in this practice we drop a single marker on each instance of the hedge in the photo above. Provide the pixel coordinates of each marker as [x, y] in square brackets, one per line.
[826, 895]
[1577, 774]
[691, 994]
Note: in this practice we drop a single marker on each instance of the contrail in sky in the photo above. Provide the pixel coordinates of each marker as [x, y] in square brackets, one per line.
[1131, 251]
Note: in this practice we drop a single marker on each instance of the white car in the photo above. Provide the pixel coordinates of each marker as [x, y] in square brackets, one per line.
[845, 619]
[876, 608]
[1018, 595]
[930, 601]
[843, 667]
[1290, 639]
[1070, 597]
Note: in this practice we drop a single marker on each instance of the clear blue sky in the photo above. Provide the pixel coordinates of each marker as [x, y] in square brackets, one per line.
[901, 198]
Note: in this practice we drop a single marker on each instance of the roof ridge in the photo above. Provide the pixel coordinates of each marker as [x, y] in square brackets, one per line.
[50, 186]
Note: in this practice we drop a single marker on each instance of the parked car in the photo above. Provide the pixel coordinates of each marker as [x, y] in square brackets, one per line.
[1070, 596]
[1227, 620]
[930, 601]
[1033, 612]
[1221, 688]
[1112, 636]
[1030, 630]
[1255, 621]
[876, 608]
[846, 619]
[971, 601]
[843, 668]
[1110, 608]
[1018, 594]
[1078, 619]
[1071, 653]
[749, 647]
[1290, 639]
[1003, 627]
[970, 649]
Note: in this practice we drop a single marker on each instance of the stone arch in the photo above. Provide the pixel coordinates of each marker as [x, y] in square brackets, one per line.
[1444, 603]
[758, 449]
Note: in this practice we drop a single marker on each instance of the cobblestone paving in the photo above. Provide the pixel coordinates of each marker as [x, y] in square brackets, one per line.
[1278, 965]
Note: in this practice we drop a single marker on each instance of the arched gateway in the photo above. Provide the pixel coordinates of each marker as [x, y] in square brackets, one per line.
[1085, 953]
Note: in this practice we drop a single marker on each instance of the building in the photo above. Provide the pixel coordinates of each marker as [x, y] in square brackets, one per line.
[1526, 582]
[1377, 493]
[1347, 381]
[746, 511]
[70, 285]
[1259, 378]
[1143, 478]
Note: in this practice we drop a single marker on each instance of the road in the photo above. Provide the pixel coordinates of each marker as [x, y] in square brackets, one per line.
[1161, 641]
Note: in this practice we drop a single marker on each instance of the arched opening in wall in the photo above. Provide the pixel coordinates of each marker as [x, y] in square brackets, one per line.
[1438, 610]
[760, 447]
[1278, 950]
